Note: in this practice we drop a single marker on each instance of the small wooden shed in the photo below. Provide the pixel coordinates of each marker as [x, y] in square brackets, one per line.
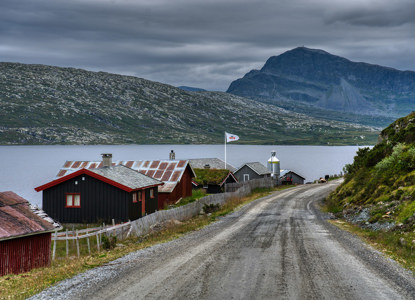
[290, 177]
[100, 195]
[25, 238]
[252, 170]
[213, 180]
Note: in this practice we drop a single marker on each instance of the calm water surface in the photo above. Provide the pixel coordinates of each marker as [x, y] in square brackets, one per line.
[22, 168]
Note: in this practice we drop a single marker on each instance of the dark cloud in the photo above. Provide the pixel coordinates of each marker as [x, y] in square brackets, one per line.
[374, 13]
[201, 43]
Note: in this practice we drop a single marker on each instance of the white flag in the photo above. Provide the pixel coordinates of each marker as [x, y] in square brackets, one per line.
[231, 137]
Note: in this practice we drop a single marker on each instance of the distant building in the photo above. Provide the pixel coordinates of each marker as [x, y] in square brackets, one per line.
[212, 163]
[252, 170]
[97, 195]
[290, 177]
[213, 180]
[25, 237]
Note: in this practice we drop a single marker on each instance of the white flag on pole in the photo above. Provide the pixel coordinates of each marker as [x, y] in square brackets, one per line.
[231, 137]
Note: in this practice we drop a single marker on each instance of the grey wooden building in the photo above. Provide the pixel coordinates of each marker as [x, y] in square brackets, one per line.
[252, 170]
[290, 177]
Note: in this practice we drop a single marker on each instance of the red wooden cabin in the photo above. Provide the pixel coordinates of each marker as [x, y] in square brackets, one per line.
[25, 237]
[175, 174]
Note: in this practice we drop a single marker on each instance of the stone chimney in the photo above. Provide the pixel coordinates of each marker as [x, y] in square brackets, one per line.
[106, 160]
[172, 155]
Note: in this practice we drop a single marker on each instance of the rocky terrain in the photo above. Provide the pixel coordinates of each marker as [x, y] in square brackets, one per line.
[51, 105]
[379, 187]
[314, 81]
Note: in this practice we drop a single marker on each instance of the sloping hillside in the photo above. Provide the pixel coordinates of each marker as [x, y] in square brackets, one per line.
[379, 187]
[50, 105]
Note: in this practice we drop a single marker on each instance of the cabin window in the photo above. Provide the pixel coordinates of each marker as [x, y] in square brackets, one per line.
[73, 200]
[151, 193]
[246, 177]
[134, 197]
[139, 196]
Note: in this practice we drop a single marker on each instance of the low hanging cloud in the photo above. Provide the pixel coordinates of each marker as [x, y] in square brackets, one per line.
[201, 43]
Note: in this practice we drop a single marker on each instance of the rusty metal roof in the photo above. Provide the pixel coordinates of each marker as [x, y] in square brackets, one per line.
[17, 219]
[168, 171]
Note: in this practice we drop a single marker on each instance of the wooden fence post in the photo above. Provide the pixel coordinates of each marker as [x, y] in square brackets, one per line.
[54, 246]
[77, 243]
[73, 232]
[67, 244]
[98, 233]
[87, 241]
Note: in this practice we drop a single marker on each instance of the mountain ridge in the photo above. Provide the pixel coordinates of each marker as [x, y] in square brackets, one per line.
[322, 80]
[53, 105]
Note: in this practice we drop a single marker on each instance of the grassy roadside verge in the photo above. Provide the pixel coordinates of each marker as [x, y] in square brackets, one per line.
[27, 284]
[400, 246]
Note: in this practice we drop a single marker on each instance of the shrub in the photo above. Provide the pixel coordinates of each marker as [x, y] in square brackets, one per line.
[391, 161]
[109, 242]
[407, 210]
[210, 208]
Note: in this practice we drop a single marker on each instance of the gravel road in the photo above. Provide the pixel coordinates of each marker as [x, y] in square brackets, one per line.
[277, 247]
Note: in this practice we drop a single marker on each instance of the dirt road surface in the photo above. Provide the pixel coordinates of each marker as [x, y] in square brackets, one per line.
[277, 247]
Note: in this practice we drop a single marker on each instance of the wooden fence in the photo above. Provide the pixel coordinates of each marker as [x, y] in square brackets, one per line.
[120, 231]
[145, 224]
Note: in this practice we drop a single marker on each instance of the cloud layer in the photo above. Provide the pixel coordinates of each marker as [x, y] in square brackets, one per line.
[202, 43]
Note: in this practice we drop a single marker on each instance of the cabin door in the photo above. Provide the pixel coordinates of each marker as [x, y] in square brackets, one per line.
[143, 203]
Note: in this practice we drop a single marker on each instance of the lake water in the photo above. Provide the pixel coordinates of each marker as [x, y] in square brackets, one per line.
[22, 168]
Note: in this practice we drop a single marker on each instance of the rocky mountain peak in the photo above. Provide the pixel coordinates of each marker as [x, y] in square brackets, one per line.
[314, 77]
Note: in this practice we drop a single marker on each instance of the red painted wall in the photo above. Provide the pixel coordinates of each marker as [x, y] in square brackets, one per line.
[183, 189]
[23, 254]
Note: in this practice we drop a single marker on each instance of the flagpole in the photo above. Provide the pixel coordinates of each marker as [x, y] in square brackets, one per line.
[225, 149]
[225, 158]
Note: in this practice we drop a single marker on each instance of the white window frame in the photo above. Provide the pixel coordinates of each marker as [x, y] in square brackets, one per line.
[73, 200]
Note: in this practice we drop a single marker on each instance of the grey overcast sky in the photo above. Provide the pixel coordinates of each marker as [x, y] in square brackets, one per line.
[202, 43]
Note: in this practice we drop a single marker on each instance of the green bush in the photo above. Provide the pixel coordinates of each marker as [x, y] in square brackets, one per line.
[109, 242]
[406, 210]
[210, 208]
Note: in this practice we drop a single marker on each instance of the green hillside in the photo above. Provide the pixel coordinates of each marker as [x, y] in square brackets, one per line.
[379, 187]
[50, 105]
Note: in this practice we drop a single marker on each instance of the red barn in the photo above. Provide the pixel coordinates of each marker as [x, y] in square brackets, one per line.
[25, 238]
[175, 174]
